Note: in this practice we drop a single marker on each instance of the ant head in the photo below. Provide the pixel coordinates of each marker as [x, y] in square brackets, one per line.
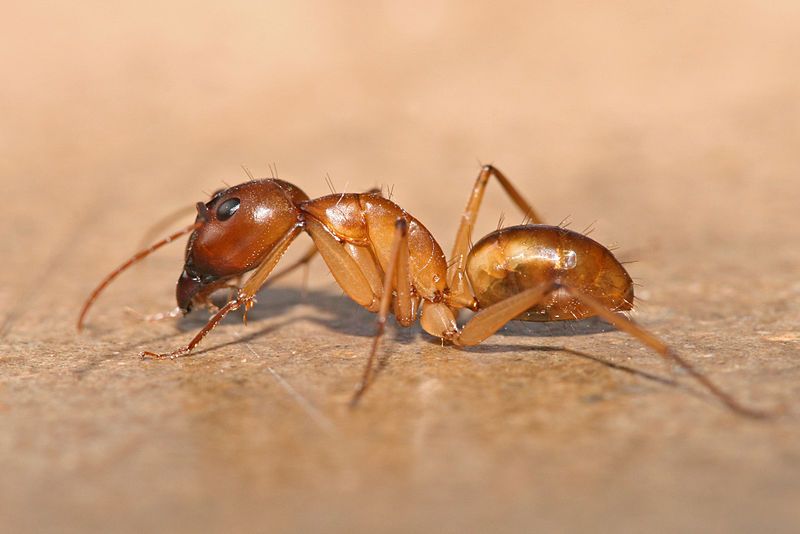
[238, 228]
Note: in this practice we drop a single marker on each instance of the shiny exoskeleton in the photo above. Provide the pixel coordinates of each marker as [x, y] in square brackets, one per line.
[387, 261]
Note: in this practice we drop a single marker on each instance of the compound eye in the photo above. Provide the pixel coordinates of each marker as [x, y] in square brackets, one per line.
[226, 210]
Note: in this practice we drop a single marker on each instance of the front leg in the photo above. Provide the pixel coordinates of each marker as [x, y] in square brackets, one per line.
[229, 307]
[244, 298]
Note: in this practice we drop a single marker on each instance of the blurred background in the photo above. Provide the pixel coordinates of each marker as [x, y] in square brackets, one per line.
[672, 127]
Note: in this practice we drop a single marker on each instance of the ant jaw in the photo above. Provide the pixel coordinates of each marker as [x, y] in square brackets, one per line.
[188, 287]
[193, 289]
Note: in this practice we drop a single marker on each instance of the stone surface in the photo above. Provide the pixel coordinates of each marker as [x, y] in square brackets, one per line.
[671, 127]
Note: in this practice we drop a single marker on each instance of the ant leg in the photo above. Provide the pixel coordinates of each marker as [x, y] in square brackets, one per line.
[457, 279]
[305, 259]
[405, 303]
[370, 268]
[397, 275]
[356, 272]
[649, 339]
[343, 267]
[309, 255]
[230, 306]
[489, 320]
[245, 297]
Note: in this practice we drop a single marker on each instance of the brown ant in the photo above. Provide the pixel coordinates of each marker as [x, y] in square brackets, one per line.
[385, 259]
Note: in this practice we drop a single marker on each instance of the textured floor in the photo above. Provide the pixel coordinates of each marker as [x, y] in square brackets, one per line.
[672, 128]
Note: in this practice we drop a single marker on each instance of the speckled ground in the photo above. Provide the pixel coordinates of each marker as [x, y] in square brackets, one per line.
[671, 127]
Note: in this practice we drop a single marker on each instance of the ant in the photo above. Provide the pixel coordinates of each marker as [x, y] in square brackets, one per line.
[387, 261]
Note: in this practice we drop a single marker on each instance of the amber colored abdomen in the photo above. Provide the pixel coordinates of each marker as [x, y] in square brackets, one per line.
[513, 259]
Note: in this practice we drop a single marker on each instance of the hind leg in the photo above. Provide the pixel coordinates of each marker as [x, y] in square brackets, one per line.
[456, 276]
[489, 320]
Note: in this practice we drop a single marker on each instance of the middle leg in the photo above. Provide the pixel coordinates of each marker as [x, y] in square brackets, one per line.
[397, 277]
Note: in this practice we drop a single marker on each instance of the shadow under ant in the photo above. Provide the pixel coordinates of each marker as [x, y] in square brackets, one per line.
[669, 382]
[250, 336]
[334, 311]
[340, 314]
[384, 362]
[343, 315]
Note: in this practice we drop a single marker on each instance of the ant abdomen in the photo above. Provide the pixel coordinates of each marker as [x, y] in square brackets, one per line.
[511, 260]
